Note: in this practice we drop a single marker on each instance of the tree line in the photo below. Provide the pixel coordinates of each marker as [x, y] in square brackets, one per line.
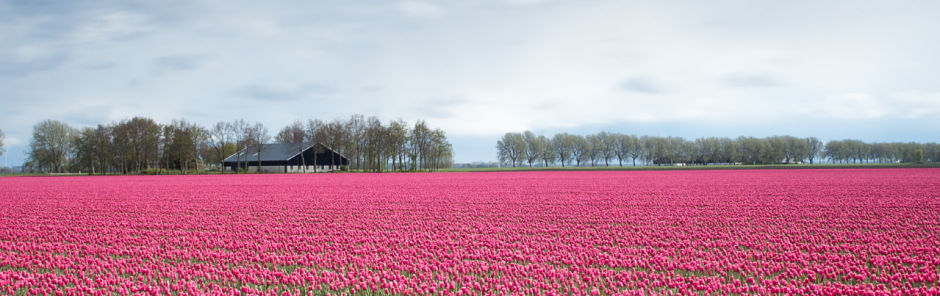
[141, 145]
[603, 148]
[2, 137]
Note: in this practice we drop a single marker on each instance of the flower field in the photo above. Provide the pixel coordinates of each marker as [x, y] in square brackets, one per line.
[715, 232]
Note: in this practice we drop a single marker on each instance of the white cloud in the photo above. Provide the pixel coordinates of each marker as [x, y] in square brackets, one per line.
[420, 9]
[12, 141]
[524, 2]
[853, 105]
[915, 104]
[110, 25]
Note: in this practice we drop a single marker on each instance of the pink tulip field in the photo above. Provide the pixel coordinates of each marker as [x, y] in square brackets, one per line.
[689, 232]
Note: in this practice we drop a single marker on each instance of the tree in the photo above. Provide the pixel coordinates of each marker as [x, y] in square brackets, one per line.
[51, 145]
[544, 146]
[259, 137]
[531, 147]
[650, 148]
[420, 140]
[239, 132]
[636, 148]
[374, 142]
[2, 137]
[813, 147]
[337, 139]
[622, 147]
[198, 136]
[582, 149]
[918, 156]
[511, 148]
[563, 145]
[441, 151]
[294, 135]
[84, 142]
[220, 137]
[179, 150]
[397, 143]
[104, 148]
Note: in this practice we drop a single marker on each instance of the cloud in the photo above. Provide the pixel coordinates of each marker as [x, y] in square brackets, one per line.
[855, 105]
[916, 104]
[179, 62]
[642, 85]
[102, 26]
[280, 93]
[439, 108]
[751, 80]
[420, 9]
[524, 2]
[859, 105]
[89, 115]
[12, 141]
[10, 66]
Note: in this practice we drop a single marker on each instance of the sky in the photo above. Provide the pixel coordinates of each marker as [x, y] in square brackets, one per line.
[867, 70]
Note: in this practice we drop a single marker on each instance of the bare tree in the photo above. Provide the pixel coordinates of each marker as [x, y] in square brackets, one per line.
[636, 148]
[608, 146]
[545, 152]
[563, 145]
[531, 147]
[814, 148]
[2, 137]
[511, 147]
[219, 136]
[397, 142]
[373, 142]
[582, 149]
[294, 135]
[198, 135]
[259, 137]
[51, 145]
[240, 132]
[314, 132]
[419, 141]
[337, 139]
[622, 146]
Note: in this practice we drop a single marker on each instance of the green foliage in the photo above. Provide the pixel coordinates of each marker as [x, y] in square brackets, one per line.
[918, 156]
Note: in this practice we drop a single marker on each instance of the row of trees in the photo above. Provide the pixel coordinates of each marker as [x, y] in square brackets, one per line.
[2, 137]
[603, 148]
[142, 145]
[855, 151]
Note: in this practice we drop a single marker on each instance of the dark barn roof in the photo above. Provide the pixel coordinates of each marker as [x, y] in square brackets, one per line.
[274, 152]
[269, 152]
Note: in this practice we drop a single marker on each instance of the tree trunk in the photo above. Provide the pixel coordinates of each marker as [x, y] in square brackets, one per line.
[332, 158]
[259, 158]
[303, 160]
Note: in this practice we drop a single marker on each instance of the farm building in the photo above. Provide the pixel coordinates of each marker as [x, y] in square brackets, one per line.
[287, 158]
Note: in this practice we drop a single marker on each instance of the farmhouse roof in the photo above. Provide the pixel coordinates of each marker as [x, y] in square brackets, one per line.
[272, 152]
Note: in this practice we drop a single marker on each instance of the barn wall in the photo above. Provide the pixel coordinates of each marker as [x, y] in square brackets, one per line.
[299, 169]
[267, 169]
[291, 169]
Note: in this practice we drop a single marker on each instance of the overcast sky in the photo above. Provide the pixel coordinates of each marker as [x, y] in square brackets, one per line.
[833, 69]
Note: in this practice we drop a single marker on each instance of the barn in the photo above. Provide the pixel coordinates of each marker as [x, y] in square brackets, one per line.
[287, 158]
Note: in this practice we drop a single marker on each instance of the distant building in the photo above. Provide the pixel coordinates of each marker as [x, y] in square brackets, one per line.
[287, 158]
